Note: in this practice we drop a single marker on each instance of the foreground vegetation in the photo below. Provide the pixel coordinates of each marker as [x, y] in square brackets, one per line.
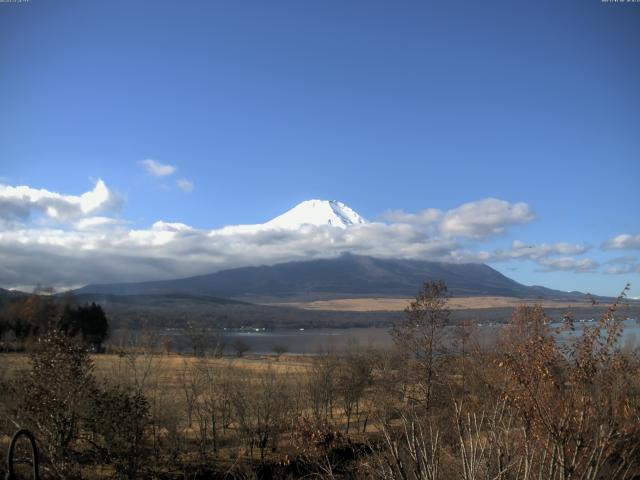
[531, 408]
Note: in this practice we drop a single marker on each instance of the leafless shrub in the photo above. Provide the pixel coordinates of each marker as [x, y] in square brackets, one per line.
[321, 386]
[574, 412]
[138, 361]
[54, 399]
[411, 451]
[261, 408]
[354, 375]
[313, 443]
[117, 422]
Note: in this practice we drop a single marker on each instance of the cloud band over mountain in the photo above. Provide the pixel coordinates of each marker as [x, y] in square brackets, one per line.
[75, 247]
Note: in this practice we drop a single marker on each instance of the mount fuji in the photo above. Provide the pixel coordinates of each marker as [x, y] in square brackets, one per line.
[315, 213]
[347, 275]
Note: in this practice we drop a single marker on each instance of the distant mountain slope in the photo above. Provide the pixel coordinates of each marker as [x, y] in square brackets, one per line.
[347, 275]
[150, 299]
[4, 293]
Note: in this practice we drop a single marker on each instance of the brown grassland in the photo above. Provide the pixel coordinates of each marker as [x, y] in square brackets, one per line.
[399, 304]
[437, 406]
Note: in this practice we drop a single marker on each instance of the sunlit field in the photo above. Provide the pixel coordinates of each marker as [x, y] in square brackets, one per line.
[364, 411]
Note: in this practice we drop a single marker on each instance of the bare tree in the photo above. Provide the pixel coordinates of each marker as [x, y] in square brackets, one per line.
[197, 337]
[137, 360]
[321, 385]
[218, 343]
[240, 346]
[354, 376]
[572, 399]
[191, 385]
[421, 333]
[261, 407]
[279, 350]
[465, 341]
[210, 405]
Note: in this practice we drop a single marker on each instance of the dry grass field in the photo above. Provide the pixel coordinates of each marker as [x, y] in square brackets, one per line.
[104, 364]
[399, 304]
[170, 382]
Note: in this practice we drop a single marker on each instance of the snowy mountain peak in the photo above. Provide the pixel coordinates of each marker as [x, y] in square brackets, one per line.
[317, 213]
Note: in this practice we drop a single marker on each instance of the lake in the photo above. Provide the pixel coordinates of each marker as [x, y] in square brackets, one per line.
[314, 341]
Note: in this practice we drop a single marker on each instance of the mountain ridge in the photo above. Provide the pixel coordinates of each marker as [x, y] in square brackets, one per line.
[348, 274]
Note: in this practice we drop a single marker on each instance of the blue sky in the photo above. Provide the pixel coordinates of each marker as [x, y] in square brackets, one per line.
[382, 105]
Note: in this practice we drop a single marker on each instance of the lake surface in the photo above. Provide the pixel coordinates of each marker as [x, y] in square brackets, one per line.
[314, 341]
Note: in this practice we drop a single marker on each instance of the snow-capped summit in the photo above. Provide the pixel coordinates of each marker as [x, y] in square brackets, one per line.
[317, 213]
[310, 212]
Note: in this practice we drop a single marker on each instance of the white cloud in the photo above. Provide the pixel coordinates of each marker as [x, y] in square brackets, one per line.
[185, 185]
[568, 264]
[622, 260]
[170, 250]
[623, 269]
[623, 265]
[542, 254]
[424, 217]
[93, 248]
[485, 218]
[623, 242]
[531, 251]
[157, 169]
[18, 203]
[96, 223]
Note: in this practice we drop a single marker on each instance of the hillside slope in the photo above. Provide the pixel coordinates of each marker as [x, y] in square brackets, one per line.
[347, 275]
